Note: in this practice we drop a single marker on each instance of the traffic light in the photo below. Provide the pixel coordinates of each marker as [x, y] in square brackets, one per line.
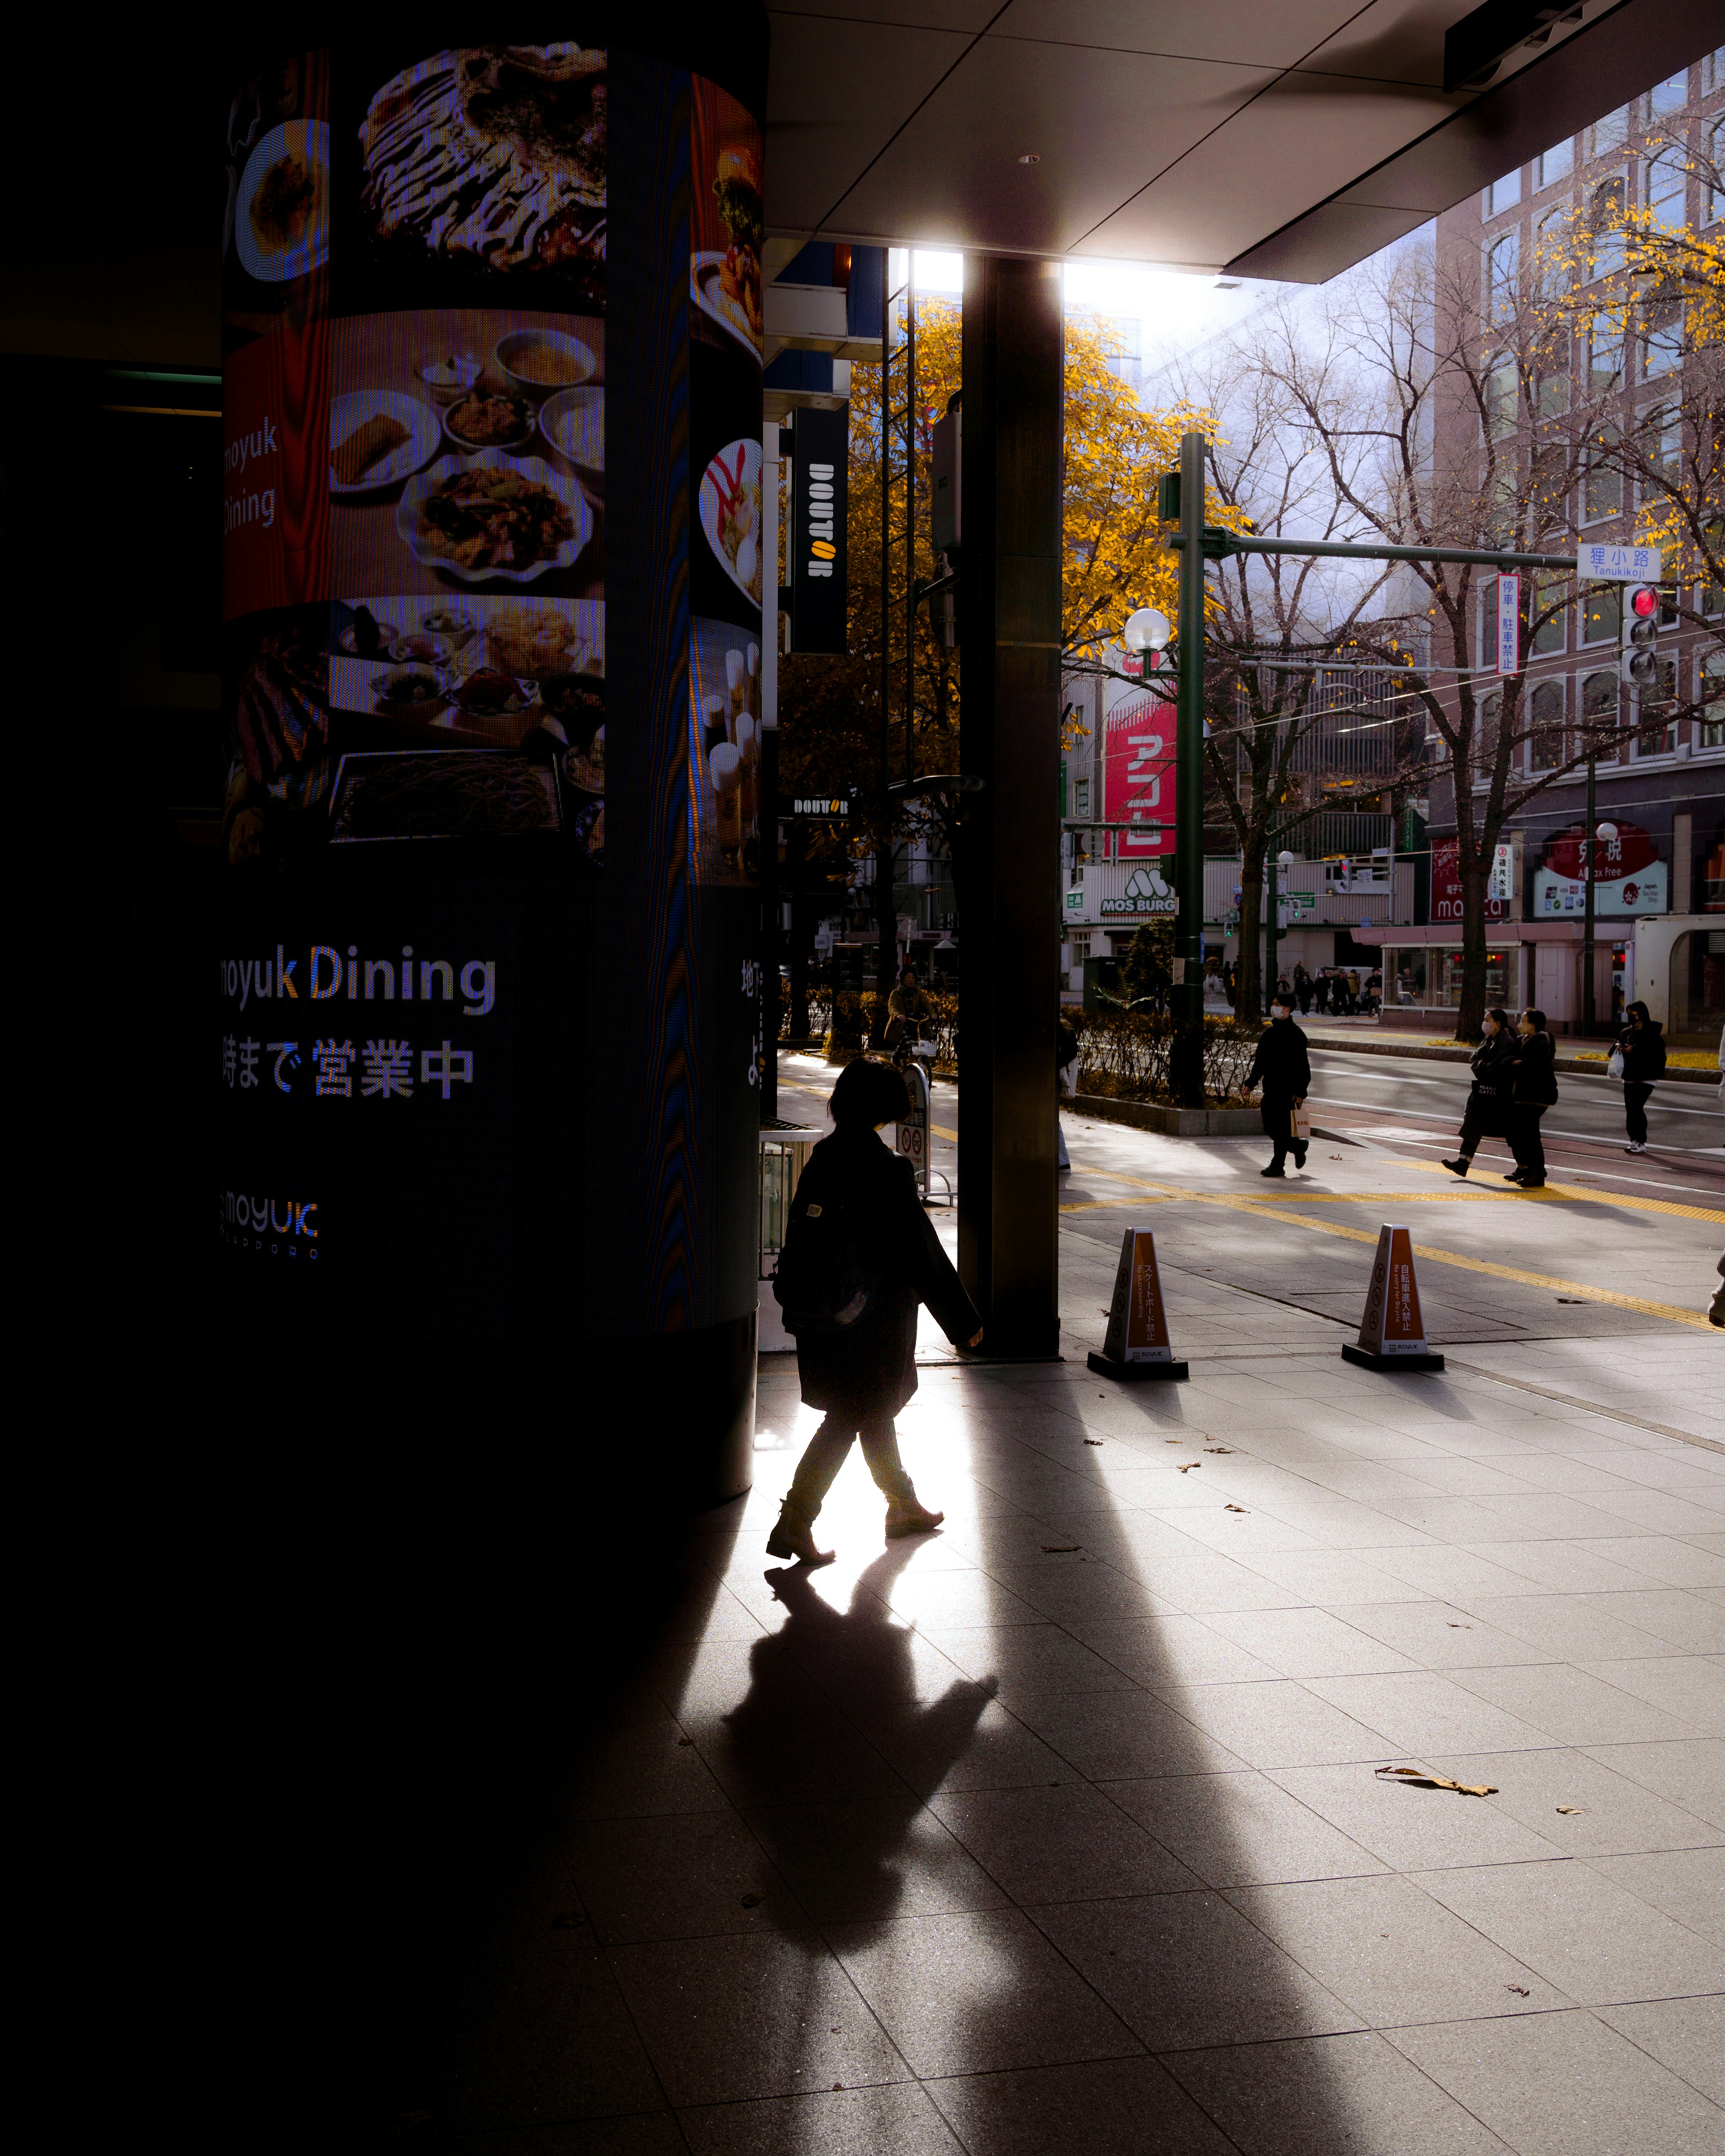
[1640, 663]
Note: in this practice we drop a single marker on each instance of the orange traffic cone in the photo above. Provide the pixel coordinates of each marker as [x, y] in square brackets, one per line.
[1392, 1333]
[1136, 1346]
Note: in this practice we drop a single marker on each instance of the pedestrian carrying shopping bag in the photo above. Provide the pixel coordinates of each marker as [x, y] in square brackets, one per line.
[820, 1281]
[1613, 1064]
[1301, 1123]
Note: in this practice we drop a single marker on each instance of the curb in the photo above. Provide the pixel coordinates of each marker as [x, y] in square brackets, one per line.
[1171, 1122]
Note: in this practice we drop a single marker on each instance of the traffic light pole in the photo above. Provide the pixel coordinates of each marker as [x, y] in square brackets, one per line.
[1186, 997]
[1588, 845]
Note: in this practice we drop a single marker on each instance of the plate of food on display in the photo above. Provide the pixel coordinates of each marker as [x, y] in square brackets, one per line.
[730, 514]
[281, 216]
[363, 636]
[493, 157]
[573, 425]
[725, 284]
[378, 437]
[495, 518]
[484, 420]
[415, 688]
[538, 363]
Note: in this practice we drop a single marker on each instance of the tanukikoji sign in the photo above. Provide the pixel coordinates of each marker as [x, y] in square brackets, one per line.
[819, 504]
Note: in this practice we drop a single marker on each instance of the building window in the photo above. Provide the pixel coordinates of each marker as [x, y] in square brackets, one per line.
[1501, 386]
[1547, 716]
[1713, 703]
[1712, 71]
[1551, 635]
[1667, 185]
[1602, 614]
[1555, 164]
[1602, 489]
[1504, 194]
[1668, 97]
[1609, 134]
[1607, 200]
[1661, 445]
[1604, 355]
[1662, 336]
[1081, 797]
[1657, 734]
[1714, 188]
[1487, 728]
[1501, 258]
[1599, 713]
[1553, 395]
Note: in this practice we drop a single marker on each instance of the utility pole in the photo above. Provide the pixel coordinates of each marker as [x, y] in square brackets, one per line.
[1186, 996]
[1587, 844]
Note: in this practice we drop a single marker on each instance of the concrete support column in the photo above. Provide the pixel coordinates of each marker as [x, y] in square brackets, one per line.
[1009, 588]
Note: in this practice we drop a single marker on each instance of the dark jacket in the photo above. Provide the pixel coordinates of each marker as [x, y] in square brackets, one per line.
[870, 1369]
[1493, 1084]
[1536, 1084]
[1643, 1052]
[1280, 1064]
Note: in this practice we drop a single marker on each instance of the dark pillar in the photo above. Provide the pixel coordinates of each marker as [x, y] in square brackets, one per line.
[1010, 630]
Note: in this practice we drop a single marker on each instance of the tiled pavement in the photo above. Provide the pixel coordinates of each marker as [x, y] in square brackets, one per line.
[1062, 1830]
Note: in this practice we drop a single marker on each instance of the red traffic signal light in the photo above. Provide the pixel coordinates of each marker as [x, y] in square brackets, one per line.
[1639, 665]
[1644, 602]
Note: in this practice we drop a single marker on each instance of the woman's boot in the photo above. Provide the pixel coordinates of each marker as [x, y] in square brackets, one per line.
[794, 1535]
[905, 1516]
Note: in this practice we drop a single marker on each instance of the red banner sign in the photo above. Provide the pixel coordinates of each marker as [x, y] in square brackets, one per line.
[1138, 776]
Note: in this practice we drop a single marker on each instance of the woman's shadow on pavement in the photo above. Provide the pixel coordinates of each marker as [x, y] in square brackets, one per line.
[832, 1714]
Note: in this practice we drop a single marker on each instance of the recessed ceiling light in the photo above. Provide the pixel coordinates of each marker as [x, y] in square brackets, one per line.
[1030, 157]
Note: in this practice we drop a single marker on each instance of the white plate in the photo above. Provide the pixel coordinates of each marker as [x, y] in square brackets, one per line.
[745, 455]
[425, 548]
[550, 414]
[424, 428]
[311, 138]
[716, 303]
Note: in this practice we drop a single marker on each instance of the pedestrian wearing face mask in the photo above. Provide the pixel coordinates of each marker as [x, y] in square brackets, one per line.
[1489, 1100]
[1284, 1070]
[1536, 1090]
[1639, 1060]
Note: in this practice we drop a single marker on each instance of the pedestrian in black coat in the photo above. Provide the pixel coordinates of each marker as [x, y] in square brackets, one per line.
[1489, 1100]
[1534, 1065]
[863, 1374]
[1641, 1044]
[1283, 1069]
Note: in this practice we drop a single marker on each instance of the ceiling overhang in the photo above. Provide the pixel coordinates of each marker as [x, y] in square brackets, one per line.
[1276, 138]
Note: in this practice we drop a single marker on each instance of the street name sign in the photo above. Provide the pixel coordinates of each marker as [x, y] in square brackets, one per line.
[1620, 565]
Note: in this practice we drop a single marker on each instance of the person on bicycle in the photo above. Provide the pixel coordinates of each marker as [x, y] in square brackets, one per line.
[909, 1007]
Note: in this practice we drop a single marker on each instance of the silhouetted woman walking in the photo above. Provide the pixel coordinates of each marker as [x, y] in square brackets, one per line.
[1536, 1088]
[1642, 1045]
[858, 1231]
[1487, 1112]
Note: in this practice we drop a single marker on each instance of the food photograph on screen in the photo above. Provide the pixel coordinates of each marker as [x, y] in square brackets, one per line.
[724, 752]
[477, 171]
[275, 222]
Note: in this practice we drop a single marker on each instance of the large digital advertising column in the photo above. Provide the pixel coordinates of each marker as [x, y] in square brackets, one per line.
[492, 613]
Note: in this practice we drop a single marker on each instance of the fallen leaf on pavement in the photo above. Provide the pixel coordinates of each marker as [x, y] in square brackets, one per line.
[753, 1901]
[1234, 1508]
[1572, 1808]
[568, 1920]
[1521, 1988]
[1093, 1441]
[1219, 1448]
[1061, 1549]
[1186, 1466]
[1441, 1782]
[1456, 1626]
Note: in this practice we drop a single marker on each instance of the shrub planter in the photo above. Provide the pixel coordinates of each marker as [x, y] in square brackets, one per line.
[1172, 1123]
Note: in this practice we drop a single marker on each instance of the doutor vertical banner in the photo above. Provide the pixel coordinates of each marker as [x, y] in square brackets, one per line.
[820, 505]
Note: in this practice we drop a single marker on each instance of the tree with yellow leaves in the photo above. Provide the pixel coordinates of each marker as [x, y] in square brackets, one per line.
[833, 731]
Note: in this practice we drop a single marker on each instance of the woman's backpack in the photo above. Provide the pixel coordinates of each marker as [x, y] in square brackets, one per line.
[820, 1280]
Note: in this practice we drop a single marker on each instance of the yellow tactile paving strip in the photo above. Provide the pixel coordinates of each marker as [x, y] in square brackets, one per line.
[1257, 1209]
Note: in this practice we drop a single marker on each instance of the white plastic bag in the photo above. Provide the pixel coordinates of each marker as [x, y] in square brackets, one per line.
[1613, 1067]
